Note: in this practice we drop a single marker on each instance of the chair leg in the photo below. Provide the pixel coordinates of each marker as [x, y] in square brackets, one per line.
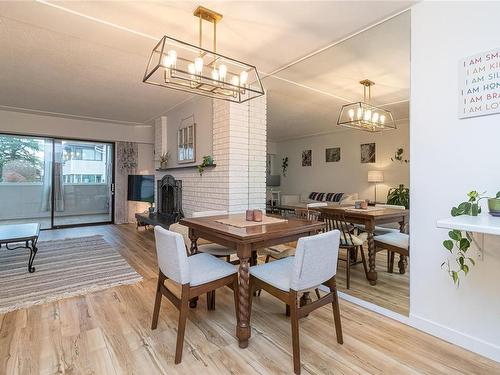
[391, 254]
[287, 310]
[363, 260]
[336, 311]
[181, 328]
[211, 300]
[348, 269]
[295, 332]
[156, 310]
[317, 293]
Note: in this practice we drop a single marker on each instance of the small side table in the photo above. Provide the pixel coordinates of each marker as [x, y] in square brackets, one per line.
[18, 233]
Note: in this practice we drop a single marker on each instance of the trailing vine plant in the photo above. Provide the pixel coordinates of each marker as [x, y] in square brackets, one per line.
[459, 242]
[207, 161]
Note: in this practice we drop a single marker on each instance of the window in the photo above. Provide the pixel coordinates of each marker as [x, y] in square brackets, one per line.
[186, 142]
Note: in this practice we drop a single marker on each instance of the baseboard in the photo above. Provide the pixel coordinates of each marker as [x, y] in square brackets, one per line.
[474, 344]
[471, 343]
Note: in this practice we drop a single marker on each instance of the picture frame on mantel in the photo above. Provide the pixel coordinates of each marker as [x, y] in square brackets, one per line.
[186, 144]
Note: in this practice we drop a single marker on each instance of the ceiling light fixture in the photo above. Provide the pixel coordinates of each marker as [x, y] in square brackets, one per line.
[182, 66]
[365, 116]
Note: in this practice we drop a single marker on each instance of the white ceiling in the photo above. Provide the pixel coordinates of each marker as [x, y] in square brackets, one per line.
[88, 59]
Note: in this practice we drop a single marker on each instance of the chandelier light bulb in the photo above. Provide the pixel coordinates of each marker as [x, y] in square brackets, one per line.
[382, 119]
[243, 77]
[375, 117]
[215, 74]
[191, 68]
[368, 115]
[235, 81]
[351, 114]
[172, 54]
[360, 113]
[222, 72]
[198, 65]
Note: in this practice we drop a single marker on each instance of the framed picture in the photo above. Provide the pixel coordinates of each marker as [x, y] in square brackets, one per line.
[186, 144]
[306, 158]
[368, 153]
[332, 154]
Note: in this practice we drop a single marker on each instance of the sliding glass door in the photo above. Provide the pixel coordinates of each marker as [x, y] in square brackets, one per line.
[55, 182]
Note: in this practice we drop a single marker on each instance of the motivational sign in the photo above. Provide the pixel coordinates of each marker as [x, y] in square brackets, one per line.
[479, 84]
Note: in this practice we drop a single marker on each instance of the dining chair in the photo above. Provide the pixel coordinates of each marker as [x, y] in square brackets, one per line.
[196, 274]
[348, 241]
[314, 264]
[394, 242]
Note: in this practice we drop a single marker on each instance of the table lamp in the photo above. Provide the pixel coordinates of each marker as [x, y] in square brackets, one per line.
[375, 176]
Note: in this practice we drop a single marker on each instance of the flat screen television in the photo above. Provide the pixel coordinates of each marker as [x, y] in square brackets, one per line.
[141, 188]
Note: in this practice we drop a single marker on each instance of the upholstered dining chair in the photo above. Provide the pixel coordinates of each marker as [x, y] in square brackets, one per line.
[314, 263]
[394, 242]
[348, 241]
[196, 274]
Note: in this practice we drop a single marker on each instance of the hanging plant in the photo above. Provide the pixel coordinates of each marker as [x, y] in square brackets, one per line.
[459, 242]
[284, 165]
[398, 156]
[207, 161]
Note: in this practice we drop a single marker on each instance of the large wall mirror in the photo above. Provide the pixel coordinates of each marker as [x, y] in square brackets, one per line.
[304, 102]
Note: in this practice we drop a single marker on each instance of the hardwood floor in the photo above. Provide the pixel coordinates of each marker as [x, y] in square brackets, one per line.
[108, 332]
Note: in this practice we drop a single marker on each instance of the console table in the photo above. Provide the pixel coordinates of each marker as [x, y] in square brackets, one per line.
[21, 233]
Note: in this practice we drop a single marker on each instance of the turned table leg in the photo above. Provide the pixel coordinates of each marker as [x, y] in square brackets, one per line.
[193, 302]
[372, 273]
[243, 330]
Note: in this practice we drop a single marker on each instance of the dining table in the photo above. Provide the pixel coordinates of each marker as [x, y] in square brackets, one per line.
[246, 239]
[370, 217]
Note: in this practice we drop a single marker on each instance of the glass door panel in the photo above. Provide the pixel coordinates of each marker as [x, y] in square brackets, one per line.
[83, 178]
[25, 180]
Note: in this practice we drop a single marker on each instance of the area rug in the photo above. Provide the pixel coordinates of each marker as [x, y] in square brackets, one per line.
[64, 268]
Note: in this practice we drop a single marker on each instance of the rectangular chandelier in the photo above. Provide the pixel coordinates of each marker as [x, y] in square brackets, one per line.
[365, 116]
[182, 66]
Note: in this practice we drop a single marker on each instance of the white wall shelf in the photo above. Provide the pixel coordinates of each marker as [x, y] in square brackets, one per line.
[484, 223]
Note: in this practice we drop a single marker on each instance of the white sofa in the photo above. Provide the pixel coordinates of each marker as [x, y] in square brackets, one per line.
[302, 199]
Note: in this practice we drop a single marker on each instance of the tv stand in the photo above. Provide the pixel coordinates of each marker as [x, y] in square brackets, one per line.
[163, 220]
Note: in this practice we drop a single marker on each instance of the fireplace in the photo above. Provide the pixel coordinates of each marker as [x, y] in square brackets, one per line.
[169, 194]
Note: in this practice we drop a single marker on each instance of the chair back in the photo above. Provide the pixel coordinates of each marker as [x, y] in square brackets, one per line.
[395, 206]
[337, 221]
[303, 213]
[172, 257]
[315, 260]
[209, 213]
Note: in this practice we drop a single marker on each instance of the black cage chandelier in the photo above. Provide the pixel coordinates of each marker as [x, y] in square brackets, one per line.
[365, 116]
[182, 66]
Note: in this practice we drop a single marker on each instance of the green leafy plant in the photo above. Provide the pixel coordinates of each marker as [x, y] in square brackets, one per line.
[398, 156]
[207, 161]
[459, 242]
[399, 196]
[284, 165]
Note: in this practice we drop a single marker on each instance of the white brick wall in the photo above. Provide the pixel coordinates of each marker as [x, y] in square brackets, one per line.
[239, 150]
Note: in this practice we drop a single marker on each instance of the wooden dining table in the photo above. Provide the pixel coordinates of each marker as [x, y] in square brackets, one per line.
[370, 218]
[246, 241]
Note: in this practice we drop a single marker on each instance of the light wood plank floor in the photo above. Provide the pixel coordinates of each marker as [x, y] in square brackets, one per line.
[108, 332]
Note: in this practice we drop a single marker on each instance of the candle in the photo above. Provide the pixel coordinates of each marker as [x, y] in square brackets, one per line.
[257, 215]
[249, 215]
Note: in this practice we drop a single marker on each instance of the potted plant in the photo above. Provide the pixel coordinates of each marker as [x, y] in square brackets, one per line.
[164, 160]
[399, 196]
[494, 205]
[207, 161]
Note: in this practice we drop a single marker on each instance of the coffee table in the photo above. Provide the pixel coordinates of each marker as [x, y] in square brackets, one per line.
[14, 234]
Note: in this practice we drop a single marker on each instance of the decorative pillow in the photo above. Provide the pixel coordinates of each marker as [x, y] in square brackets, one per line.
[313, 195]
[334, 197]
[321, 197]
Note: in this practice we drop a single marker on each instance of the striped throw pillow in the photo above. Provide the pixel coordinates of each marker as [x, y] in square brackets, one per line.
[334, 197]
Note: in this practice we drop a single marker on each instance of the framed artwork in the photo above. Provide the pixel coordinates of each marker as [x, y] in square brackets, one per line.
[186, 144]
[368, 153]
[306, 158]
[332, 154]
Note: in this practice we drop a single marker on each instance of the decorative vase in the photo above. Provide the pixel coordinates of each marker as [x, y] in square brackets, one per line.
[494, 206]
[163, 165]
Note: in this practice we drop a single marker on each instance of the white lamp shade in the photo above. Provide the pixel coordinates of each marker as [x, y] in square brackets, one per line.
[375, 176]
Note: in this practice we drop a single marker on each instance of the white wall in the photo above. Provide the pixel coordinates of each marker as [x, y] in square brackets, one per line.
[450, 157]
[349, 175]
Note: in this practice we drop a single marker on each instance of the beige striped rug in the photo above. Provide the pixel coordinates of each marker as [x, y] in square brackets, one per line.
[64, 268]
